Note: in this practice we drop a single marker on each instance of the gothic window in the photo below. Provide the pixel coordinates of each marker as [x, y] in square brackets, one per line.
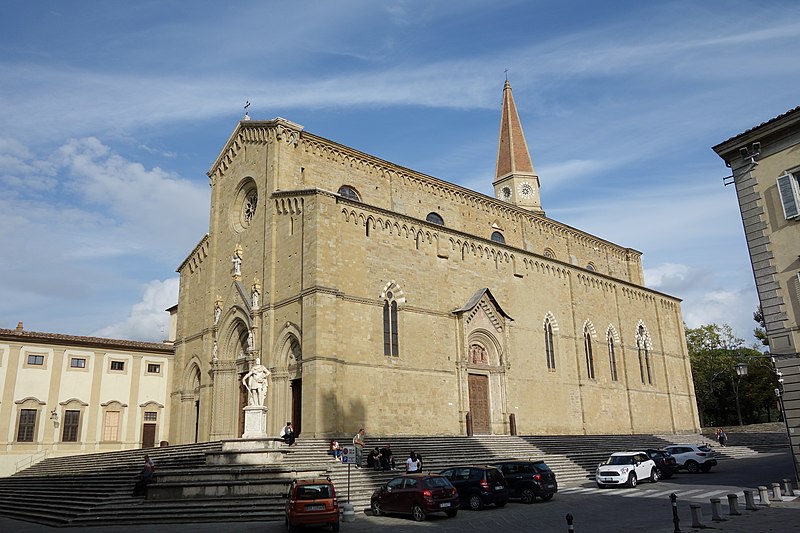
[478, 355]
[548, 345]
[348, 192]
[643, 348]
[249, 207]
[591, 268]
[390, 346]
[612, 356]
[435, 218]
[71, 424]
[587, 346]
[498, 237]
[27, 425]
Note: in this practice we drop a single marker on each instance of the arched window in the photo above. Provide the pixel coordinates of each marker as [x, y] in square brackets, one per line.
[498, 237]
[587, 346]
[548, 345]
[612, 356]
[348, 192]
[435, 218]
[550, 254]
[642, 343]
[590, 267]
[390, 344]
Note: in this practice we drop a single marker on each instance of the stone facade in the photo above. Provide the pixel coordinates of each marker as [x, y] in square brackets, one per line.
[395, 301]
[65, 394]
[765, 169]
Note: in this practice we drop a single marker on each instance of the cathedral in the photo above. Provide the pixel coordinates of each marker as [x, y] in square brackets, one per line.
[384, 298]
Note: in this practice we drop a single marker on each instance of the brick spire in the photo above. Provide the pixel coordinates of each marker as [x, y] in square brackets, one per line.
[515, 178]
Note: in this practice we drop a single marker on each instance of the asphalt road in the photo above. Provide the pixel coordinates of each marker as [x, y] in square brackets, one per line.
[644, 508]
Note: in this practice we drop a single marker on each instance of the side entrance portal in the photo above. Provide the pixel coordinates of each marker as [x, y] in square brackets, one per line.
[479, 404]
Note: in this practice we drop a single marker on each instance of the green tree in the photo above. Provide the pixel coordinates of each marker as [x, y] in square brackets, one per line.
[760, 332]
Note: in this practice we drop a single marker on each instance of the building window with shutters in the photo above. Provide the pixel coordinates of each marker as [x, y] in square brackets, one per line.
[789, 191]
[111, 426]
[72, 420]
[27, 425]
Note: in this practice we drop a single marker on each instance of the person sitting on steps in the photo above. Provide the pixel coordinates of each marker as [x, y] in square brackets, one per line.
[287, 434]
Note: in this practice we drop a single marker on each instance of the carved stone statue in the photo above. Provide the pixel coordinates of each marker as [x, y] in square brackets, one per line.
[237, 261]
[251, 344]
[217, 310]
[256, 294]
[215, 353]
[255, 381]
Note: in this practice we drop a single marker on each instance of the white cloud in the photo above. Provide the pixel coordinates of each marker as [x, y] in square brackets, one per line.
[148, 320]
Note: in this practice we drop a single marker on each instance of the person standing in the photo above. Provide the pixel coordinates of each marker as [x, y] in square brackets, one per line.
[721, 436]
[358, 442]
[412, 463]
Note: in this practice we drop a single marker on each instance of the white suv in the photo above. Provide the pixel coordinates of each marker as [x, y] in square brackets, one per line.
[693, 457]
[626, 468]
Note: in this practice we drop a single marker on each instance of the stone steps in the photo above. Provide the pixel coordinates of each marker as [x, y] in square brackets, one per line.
[96, 488]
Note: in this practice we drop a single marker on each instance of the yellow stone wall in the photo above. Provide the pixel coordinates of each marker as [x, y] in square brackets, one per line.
[325, 261]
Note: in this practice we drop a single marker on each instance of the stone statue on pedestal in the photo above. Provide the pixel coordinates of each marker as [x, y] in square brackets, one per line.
[255, 381]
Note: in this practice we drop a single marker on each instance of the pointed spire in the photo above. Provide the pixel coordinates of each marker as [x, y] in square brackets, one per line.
[515, 178]
[512, 152]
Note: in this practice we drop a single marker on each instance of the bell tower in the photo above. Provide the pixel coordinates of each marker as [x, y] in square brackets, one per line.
[515, 179]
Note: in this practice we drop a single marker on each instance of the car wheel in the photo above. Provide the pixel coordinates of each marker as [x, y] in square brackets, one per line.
[655, 475]
[418, 514]
[632, 481]
[475, 502]
[451, 513]
[335, 526]
[692, 467]
[705, 468]
[547, 497]
[376, 509]
[527, 496]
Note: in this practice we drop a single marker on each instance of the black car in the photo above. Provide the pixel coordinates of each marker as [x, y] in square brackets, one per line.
[478, 485]
[666, 464]
[528, 480]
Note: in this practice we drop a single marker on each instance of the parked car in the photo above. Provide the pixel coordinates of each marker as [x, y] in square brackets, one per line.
[416, 494]
[312, 502]
[478, 485]
[528, 480]
[693, 457]
[667, 465]
[626, 468]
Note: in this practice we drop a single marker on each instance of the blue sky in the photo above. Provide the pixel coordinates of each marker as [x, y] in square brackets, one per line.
[111, 113]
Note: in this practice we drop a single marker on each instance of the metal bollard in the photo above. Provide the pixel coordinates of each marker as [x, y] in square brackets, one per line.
[763, 496]
[697, 515]
[749, 501]
[787, 487]
[776, 492]
[733, 504]
[570, 529]
[716, 510]
[675, 520]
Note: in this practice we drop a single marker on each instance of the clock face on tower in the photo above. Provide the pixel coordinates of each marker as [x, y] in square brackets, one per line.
[525, 189]
[505, 192]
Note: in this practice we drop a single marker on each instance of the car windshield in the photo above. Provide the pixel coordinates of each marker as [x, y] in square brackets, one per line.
[542, 466]
[620, 460]
[313, 492]
[437, 483]
[494, 476]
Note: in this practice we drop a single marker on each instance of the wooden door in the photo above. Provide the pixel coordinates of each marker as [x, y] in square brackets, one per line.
[148, 435]
[479, 403]
[297, 406]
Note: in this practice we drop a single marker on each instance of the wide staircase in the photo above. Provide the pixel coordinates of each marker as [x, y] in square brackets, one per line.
[97, 488]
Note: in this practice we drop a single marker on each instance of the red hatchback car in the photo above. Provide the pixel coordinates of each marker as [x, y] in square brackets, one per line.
[312, 502]
[417, 495]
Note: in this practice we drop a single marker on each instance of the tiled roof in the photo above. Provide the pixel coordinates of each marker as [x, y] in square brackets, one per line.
[779, 117]
[35, 336]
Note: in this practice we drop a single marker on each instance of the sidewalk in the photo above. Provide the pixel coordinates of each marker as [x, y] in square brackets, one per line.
[779, 517]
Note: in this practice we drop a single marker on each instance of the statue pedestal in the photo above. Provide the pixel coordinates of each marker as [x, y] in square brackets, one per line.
[255, 422]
